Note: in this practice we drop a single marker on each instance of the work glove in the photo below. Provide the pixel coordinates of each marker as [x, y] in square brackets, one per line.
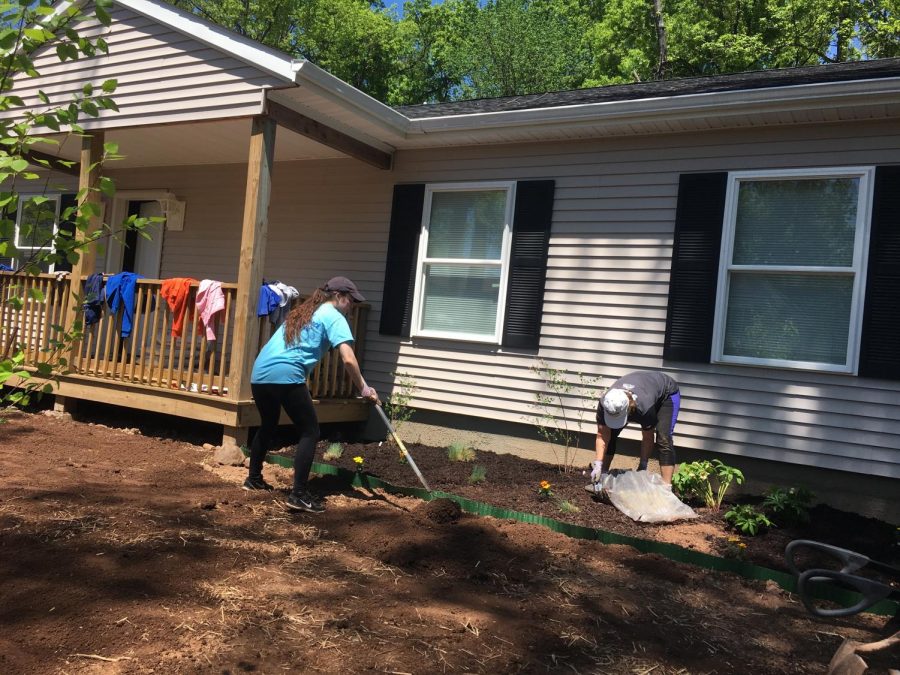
[596, 471]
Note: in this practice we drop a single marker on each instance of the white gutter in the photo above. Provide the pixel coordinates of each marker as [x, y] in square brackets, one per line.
[332, 87]
[707, 104]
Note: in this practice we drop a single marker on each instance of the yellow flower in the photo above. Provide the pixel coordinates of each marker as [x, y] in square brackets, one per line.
[742, 545]
[359, 460]
[733, 540]
[545, 485]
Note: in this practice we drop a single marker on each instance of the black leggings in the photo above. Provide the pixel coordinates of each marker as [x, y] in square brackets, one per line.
[297, 403]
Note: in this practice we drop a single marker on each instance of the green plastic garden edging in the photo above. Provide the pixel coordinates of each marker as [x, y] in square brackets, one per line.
[671, 551]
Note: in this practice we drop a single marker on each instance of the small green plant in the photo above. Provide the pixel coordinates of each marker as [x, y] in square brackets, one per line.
[479, 473]
[561, 410]
[396, 406]
[567, 507]
[544, 492]
[789, 507]
[734, 548]
[706, 481]
[333, 452]
[747, 519]
[459, 452]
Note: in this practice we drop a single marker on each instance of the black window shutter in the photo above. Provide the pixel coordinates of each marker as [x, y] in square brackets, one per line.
[880, 342]
[66, 228]
[695, 267]
[400, 269]
[528, 264]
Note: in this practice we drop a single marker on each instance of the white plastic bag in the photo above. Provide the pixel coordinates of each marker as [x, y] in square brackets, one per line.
[643, 497]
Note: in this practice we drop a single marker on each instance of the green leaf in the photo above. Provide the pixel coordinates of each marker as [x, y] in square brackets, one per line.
[107, 186]
[109, 86]
[36, 294]
[87, 89]
[47, 388]
[107, 103]
[102, 15]
[111, 148]
[36, 34]
[18, 165]
[90, 108]
[8, 39]
[44, 369]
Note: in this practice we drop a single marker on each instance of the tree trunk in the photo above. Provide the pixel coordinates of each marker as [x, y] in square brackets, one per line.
[662, 66]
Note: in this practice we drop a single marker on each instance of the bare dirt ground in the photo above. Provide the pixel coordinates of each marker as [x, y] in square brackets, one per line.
[122, 553]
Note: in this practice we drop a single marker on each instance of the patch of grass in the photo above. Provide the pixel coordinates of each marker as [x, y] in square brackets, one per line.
[479, 473]
[458, 452]
[568, 507]
[333, 452]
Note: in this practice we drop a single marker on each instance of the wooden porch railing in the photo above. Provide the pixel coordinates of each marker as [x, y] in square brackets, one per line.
[150, 356]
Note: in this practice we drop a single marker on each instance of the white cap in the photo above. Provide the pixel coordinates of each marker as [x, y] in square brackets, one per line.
[615, 408]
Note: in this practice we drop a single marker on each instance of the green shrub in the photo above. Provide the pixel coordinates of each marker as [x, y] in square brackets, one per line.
[459, 452]
[334, 452]
[789, 507]
[568, 507]
[479, 473]
[747, 519]
[396, 406]
[706, 481]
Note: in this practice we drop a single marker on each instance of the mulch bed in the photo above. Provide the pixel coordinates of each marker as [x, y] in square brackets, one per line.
[513, 483]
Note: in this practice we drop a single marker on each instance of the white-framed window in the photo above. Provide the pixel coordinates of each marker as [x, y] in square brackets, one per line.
[792, 268]
[37, 224]
[464, 253]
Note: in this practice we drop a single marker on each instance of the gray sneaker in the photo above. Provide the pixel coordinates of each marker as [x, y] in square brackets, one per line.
[303, 501]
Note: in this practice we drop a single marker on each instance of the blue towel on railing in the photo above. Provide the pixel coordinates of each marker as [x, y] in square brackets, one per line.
[120, 295]
[269, 300]
[5, 268]
[93, 299]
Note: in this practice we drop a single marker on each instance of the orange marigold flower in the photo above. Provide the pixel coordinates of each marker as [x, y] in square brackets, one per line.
[545, 485]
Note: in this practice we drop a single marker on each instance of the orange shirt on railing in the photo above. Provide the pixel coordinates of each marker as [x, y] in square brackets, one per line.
[177, 292]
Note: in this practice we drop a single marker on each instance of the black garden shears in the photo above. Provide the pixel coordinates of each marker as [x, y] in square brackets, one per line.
[813, 581]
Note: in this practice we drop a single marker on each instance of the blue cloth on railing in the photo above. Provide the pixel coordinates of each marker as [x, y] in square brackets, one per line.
[5, 268]
[93, 299]
[120, 295]
[269, 300]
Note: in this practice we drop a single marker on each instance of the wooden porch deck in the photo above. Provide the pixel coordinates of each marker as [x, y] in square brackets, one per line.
[189, 376]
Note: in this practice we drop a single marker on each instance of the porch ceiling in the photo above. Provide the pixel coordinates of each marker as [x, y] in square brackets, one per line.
[218, 142]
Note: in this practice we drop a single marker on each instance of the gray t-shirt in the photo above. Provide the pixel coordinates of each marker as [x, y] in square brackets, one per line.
[650, 391]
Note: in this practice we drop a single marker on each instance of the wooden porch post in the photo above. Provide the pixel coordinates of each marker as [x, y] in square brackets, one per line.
[253, 252]
[91, 152]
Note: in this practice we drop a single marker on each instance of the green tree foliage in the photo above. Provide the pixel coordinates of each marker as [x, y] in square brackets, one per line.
[723, 36]
[463, 49]
[514, 47]
[354, 40]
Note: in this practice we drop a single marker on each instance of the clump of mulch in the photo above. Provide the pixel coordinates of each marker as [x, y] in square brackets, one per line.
[440, 511]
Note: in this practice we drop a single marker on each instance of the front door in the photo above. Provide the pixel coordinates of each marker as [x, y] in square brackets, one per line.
[135, 252]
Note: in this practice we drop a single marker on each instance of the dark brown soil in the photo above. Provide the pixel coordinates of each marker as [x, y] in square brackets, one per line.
[123, 553]
[514, 483]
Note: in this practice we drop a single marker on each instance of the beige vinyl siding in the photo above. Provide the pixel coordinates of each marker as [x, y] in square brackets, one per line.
[163, 76]
[607, 281]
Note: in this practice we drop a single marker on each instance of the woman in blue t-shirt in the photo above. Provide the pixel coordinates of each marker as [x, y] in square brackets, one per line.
[279, 381]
